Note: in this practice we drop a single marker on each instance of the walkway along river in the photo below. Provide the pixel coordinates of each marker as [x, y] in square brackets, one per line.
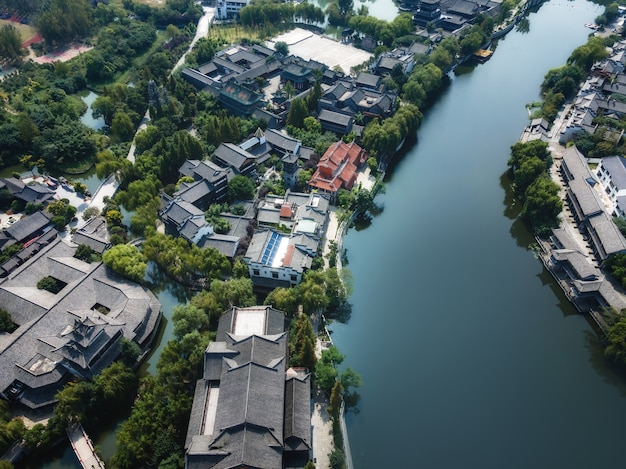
[469, 353]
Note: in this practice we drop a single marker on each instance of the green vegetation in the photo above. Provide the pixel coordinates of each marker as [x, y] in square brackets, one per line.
[92, 402]
[529, 172]
[241, 188]
[64, 21]
[6, 323]
[382, 138]
[561, 84]
[616, 265]
[610, 14]
[184, 262]
[155, 431]
[615, 349]
[266, 16]
[127, 261]
[50, 284]
[11, 429]
[9, 252]
[85, 253]
[10, 45]
[302, 343]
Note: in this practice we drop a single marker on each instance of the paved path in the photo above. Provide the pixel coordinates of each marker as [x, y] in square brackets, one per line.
[83, 448]
[322, 425]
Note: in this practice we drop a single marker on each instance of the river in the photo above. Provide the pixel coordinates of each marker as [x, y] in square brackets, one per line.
[469, 353]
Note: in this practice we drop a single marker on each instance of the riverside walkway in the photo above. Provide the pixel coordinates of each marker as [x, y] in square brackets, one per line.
[83, 448]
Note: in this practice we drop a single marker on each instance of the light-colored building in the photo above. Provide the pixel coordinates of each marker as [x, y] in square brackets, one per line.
[278, 260]
[227, 9]
[611, 174]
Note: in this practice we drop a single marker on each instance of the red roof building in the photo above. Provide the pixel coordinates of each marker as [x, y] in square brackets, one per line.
[338, 168]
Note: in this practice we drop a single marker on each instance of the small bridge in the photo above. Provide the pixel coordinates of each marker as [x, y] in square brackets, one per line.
[83, 448]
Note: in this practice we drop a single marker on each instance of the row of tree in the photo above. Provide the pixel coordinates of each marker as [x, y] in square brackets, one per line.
[529, 166]
[270, 13]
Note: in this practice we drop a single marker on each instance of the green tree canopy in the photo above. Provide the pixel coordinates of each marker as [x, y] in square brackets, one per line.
[127, 261]
[298, 111]
[542, 204]
[65, 20]
[241, 188]
[10, 44]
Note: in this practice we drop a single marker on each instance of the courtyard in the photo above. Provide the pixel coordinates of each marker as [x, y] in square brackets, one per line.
[311, 46]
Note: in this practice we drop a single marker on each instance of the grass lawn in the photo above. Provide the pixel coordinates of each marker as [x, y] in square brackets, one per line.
[233, 33]
[26, 31]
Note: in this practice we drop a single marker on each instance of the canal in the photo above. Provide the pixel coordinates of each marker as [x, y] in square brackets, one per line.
[469, 353]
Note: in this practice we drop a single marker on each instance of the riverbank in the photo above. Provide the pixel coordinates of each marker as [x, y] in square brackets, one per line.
[575, 252]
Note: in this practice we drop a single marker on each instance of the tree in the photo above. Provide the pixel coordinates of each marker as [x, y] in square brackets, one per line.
[130, 352]
[6, 322]
[586, 55]
[50, 284]
[84, 253]
[302, 343]
[114, 218]
[350, 380]
[284, 299]
[91, 212]
[326, 368]
[298, 111]
[188, 318]
[615, 349]
[122, 128]
[10, 44]
[282, 48]
[337, 459]
[126, 260]
[346, 7]
[542, 204]
[334, 405]
[65, 20]
[233, 292]
[240, 188]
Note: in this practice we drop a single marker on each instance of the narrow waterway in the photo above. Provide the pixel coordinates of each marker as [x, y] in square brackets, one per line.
[469, 353]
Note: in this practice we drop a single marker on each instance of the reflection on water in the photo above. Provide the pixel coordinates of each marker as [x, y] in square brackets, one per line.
[87, 118]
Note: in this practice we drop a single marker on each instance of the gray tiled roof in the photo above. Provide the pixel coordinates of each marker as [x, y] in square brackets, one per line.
[249, 374]
[29, 226]
[612, 241]
[233, 155]
[238, 225]
[615, 165]
[298, 411]
[194, 192]
[225, 244]
[582, 266]
[93, 234]
[44, 329]
[368, 79]
[244, 446]
[334, 117]
[180, 210]
[274, 321]
[281, 141]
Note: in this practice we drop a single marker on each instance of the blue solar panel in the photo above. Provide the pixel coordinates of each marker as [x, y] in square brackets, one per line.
[271, 248]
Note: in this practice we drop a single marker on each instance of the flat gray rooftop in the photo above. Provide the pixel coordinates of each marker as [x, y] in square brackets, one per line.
[308, 45]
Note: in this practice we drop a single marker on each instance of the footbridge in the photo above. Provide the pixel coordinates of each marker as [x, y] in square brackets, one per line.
[83, 448]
